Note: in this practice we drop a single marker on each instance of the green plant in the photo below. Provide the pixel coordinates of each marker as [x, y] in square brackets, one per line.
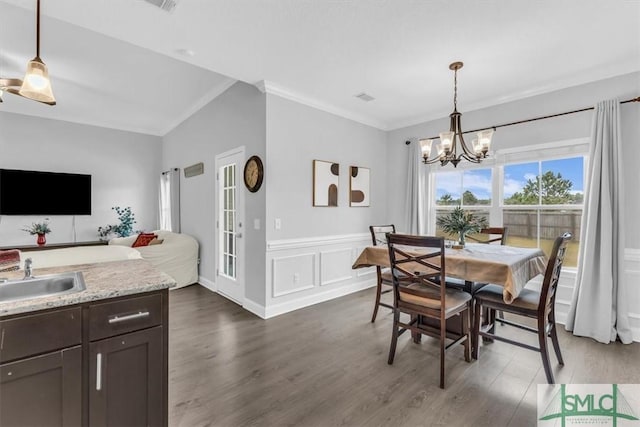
[461, 222]
[38, 227]
[124, 229]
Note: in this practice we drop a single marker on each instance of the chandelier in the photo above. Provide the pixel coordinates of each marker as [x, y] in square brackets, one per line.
[452, 147]
[36, 84]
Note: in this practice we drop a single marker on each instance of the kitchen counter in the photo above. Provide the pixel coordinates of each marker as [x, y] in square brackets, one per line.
[103, 280]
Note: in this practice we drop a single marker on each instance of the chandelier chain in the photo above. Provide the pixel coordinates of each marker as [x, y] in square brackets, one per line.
[455, 89]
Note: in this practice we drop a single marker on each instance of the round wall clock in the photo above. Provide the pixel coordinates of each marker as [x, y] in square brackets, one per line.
[253, 173]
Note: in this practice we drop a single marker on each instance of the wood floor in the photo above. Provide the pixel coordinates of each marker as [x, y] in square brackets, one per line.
[326, 365]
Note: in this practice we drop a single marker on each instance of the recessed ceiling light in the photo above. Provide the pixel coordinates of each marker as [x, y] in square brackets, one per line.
[364, 97]
[185, 52]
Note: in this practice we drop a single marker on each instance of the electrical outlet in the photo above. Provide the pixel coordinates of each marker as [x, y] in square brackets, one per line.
[278, 224]
[296, 277]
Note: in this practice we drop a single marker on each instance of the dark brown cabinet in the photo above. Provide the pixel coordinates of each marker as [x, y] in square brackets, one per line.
[95, 364]
[126, 380]
[43, 390]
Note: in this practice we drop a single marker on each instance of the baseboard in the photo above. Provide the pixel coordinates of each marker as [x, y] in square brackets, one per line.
[286, 307]
[254, 307]
[208, 284]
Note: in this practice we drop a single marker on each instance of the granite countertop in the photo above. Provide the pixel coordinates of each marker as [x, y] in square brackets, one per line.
[103, 280]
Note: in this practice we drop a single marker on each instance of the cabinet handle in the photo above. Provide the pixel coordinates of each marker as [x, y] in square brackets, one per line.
[139, 315]
[99, 371]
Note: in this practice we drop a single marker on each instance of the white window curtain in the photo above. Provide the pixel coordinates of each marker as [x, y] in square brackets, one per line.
[170, 200]
[599, 307]
[417, 191]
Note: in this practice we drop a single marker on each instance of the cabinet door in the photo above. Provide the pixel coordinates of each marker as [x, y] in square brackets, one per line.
[44, 390]
[126, 380]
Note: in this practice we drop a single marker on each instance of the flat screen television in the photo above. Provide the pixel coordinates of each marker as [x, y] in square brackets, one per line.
[44, 193]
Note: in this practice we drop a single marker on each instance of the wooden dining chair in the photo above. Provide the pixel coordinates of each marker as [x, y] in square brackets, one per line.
[491, 235]
[385, 282]
[539, 305]
[416, 293]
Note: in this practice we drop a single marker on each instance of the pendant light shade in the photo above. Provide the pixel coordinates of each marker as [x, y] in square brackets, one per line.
[36, 84]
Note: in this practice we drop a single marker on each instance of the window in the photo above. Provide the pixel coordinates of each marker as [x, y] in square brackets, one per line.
[471, 189]
[537, 199]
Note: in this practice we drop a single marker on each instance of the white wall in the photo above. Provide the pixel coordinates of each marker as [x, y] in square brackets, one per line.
[124, 169]
[309, 258]
[235, 118]
[545, 131]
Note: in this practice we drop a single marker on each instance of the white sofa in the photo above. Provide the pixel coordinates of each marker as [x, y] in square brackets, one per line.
[177, 255]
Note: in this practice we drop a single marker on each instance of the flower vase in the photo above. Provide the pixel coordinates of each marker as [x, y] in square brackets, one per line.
[42, 239]
[461, 238]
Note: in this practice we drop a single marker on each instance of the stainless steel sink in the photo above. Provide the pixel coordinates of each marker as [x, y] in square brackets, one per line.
[42, 286]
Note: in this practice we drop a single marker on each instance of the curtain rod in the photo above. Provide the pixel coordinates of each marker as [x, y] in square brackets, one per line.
[172, 169]
[534, 119]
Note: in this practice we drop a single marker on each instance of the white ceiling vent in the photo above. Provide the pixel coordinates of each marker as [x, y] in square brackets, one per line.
[167, 5]
[364, 97]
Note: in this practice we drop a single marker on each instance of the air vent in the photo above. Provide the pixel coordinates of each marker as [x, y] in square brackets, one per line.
[365, 97]
[167, 5]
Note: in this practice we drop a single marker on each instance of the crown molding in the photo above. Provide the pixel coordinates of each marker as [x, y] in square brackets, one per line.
[265, 86]
[602, 73]
[209, 96]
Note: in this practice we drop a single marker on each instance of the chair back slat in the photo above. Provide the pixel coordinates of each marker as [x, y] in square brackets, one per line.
[495, 234]
[552, 273]
[410, 266]
[379, 233]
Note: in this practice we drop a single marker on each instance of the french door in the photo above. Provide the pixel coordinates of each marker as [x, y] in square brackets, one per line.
[230, 225]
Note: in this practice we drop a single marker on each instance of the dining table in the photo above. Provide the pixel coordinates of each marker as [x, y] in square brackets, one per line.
[476, 264]
[508, 266]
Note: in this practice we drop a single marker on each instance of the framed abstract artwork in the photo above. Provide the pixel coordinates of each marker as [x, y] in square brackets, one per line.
[326, 176]
[359, 194]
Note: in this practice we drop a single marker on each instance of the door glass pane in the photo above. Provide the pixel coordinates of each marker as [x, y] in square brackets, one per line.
[228, 215]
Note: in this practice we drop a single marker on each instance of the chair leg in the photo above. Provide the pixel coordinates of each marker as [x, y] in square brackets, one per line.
[443, 337]
[556, 344]
[378, 293]
[544, 352]
[492, 320]
[501, 316]
[394, 336]
[475, 336]
[466, 331]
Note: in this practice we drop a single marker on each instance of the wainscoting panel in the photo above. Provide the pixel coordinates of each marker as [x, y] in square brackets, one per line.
[293, 273]
[304, 272]
[335, 266]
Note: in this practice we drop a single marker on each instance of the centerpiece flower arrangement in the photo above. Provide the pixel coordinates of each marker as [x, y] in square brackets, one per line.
[461, 222]
[41, 229]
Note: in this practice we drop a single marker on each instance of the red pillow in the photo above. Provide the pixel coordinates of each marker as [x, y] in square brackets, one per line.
[143, 239]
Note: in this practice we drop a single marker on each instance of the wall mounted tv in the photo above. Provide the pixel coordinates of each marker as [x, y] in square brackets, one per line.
[44, 193]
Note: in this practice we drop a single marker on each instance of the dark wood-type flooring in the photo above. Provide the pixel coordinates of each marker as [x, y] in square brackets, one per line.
[326, 365]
